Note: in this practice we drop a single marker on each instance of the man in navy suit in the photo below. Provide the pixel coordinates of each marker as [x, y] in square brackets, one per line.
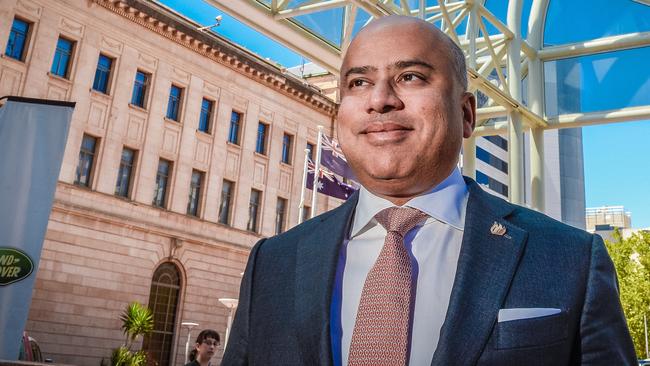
[491, 283]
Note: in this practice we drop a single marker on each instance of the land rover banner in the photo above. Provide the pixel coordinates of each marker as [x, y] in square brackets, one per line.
[33, 134]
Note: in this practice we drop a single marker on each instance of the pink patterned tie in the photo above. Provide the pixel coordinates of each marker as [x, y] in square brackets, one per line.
[381, 330]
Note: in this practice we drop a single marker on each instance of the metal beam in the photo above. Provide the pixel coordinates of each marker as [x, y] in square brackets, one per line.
[504, 99]
[600, 118]
[310, 8]
[515, 129]
[492, 128]
[605, 44]
[572, 120]
[258, 17]
[491, 112]
[536, 101]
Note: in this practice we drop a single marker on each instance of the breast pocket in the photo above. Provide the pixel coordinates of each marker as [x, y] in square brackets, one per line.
[532, 332]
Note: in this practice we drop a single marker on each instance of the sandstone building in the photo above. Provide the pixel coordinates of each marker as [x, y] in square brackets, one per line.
[184, 150]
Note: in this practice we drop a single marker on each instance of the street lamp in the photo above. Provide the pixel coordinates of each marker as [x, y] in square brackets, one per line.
[231, 304]
[189, 326]
[218, 19]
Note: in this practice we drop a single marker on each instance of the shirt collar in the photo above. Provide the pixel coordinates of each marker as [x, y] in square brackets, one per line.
[445, 202]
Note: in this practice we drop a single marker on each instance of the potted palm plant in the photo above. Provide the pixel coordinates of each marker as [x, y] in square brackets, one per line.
[137, 320]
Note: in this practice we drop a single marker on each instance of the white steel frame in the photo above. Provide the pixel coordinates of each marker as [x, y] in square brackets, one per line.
[486, 54]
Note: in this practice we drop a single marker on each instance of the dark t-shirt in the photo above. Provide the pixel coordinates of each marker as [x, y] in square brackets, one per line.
[193, 363]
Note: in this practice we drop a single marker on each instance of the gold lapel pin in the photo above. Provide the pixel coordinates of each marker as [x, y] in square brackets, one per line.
[498, 229]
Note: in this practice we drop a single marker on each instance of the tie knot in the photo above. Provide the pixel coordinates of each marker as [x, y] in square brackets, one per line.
[400, 219]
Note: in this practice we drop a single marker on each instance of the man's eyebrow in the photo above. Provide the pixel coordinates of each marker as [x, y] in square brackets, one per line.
[403, 64]
[408, 63]
[360, 70]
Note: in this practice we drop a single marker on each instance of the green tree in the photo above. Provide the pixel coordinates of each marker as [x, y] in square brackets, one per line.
[137, 320]
[631, 256]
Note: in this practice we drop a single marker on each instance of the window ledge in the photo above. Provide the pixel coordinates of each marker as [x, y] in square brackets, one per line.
[171, 120]
[20, 62]
[224, 225]
[138, 108]
[79, 185]
[261, 156]
[203, 133]
[161, 208]
[99, 94]
[127, 198]
[59, 78]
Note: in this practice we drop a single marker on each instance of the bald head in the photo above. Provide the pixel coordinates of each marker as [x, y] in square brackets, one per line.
[415, 28]
[404, 107]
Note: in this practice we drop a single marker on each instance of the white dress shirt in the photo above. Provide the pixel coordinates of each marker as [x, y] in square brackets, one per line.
[436, 247]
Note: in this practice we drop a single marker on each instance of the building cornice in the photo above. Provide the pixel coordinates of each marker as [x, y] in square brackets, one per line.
[183, 31]
[82, 202]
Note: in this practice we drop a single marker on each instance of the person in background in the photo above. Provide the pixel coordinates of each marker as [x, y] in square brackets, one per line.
[206, 345]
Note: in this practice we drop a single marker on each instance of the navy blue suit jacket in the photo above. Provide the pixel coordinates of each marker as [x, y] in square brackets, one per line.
[283, 316]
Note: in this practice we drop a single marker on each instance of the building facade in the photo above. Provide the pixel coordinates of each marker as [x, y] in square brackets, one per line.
[184, 150]
[607, 220]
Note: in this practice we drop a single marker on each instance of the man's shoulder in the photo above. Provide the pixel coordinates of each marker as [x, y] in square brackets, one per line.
[311, 227]
[537, 223]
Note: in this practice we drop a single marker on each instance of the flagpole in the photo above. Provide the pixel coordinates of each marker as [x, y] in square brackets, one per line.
[303, 187]
[645, 331]
[316, 172]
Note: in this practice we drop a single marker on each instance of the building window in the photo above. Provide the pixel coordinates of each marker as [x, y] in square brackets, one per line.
[226, 202]
[174, 103]
[235, 122]
[310, 154]
[163, 302]
[492, 160]
[17, 43]
[491, 183]
[206, 115]
[62, 57]
[123, 185]
[498, 140]
[306, 213]
[103, 74]
[162, 179]
[86, 160]
[196, 184]
[254, 210]
[287, 142]
[262, 132]
[140, 89]
[280, 215]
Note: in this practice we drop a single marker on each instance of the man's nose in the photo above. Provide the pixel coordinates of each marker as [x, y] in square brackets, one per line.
[383, 99]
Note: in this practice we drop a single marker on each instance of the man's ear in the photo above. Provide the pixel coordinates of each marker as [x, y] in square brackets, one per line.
[469, 113]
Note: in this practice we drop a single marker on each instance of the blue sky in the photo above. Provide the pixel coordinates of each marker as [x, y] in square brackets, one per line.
[617, 169]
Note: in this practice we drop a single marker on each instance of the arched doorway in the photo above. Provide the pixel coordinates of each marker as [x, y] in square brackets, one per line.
[163, 301]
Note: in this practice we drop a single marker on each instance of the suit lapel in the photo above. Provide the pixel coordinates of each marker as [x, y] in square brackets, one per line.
[316, 262]
[486, 265]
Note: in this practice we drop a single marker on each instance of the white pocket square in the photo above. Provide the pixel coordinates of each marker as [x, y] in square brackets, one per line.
[525, 313]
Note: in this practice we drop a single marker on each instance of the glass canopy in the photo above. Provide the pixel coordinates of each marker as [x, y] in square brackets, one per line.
[534, 65]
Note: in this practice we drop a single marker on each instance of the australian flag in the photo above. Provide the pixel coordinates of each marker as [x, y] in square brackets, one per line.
[333, 159]
[328, 183]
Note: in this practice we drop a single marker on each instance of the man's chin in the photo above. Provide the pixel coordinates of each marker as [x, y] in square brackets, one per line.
[389, 184]
[388, 175]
